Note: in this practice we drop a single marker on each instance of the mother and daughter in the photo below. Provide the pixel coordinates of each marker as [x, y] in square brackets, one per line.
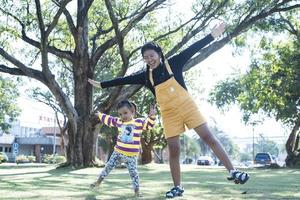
[165, 80]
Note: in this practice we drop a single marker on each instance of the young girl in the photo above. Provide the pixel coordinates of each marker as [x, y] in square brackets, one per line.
[165, 79]
[128, 143]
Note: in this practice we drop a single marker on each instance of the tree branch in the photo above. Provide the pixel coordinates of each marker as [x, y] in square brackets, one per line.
[109, 43]
[205, 52]
[164, 35]
[287, 25]
[190, 35]
[22, 68]
[119, 37]
[12, 71]
[125, 93]
[100, 31]
[55, 51]
[40, 18]
[62, 7]
[84, 12]
[70, 22]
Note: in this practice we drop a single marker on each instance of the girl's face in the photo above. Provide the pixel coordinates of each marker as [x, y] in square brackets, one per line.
[125, 113]
[152, 58]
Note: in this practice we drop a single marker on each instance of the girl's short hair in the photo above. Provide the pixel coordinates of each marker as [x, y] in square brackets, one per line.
[126, 103]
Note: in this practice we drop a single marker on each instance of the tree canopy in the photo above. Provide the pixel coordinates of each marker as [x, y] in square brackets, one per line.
[8, 103]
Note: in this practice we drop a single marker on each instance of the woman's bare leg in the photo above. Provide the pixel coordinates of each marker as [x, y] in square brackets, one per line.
[174, 153]
[215, 145]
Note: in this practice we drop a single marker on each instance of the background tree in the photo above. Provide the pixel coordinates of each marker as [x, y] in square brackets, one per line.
[265, 145]
[8, 103]
[231, 148]
[189, 148]
[84, 37]
[272, 83]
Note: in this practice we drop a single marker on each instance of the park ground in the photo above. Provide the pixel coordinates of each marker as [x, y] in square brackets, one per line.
[31, 181]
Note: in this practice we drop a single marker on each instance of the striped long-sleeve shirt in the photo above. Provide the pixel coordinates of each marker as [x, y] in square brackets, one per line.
[129, 137]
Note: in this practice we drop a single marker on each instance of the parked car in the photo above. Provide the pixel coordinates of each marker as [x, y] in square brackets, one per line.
[264, 158]
[205, 160]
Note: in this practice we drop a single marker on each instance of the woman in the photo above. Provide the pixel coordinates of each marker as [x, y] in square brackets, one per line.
[165, 80]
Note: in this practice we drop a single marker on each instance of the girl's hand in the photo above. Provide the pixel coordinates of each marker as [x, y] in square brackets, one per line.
[152, 111]
[218, 30]
[94, 83]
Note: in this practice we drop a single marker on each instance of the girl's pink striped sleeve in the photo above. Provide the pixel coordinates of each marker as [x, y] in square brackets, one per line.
[108, 120]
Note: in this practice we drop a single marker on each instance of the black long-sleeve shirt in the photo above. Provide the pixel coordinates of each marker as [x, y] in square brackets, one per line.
[160, 73]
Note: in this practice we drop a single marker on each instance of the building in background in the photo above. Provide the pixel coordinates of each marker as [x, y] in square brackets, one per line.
[35, 131]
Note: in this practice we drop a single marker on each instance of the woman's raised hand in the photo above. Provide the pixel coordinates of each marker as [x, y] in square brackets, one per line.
[218, 30]
[94, 83]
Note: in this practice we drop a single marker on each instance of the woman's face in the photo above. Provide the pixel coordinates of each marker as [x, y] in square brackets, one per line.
[152, 58]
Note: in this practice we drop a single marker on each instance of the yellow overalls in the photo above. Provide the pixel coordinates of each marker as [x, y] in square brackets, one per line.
[177, 106]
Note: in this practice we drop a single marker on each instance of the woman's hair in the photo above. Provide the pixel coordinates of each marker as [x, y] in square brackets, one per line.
[155, 47]
[128, 104]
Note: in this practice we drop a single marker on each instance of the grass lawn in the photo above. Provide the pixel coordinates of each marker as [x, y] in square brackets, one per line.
[46, 182]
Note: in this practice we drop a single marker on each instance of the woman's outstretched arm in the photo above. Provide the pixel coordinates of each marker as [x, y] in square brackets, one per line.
[136, 79]
[183, 57]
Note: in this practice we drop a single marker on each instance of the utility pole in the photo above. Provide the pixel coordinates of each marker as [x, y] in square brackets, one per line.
[54, 142]
[253, 124]
[253, 156]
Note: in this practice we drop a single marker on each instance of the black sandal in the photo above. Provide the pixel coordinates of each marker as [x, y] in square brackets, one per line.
[175, 192]
[239, 177]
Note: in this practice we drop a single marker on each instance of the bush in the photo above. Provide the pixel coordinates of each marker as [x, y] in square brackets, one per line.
[22, 159]
[53, 159]
[59, 159]
[98, 162]
[31, 158]
[3, 157]
[47, 158]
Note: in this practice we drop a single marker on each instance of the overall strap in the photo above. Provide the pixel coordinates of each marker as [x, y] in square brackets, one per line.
[168, 69]
[151, 77]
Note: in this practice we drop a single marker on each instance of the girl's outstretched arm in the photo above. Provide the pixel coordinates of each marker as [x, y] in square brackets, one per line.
[108, 120]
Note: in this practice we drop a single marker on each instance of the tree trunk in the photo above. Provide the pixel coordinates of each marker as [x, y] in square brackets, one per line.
[292, 149]
[82, 137]
[147, 152]
[158, 155]
[147, 155]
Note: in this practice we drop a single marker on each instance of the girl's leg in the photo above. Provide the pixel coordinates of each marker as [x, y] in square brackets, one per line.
[110, 165]
[174, 153]
[131, 162]
[215, 145]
